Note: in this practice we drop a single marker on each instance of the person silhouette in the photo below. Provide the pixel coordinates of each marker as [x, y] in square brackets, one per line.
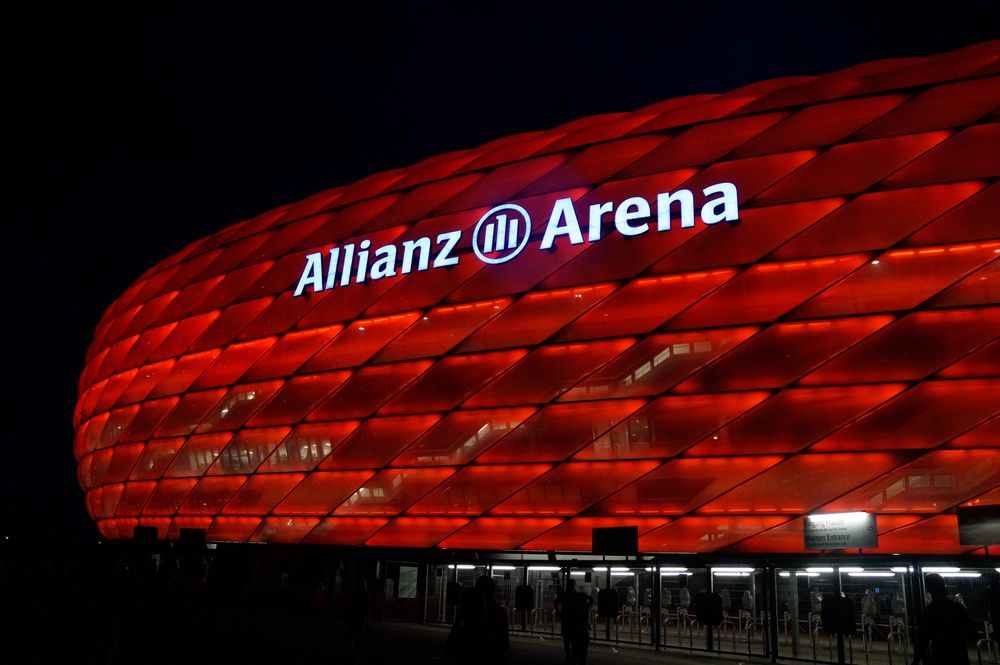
[574, 611]
[945, 627]
[480, 633]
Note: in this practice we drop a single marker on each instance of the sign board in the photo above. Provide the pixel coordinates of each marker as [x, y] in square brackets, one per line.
[839, 531]
[616, 540]
[979, 525]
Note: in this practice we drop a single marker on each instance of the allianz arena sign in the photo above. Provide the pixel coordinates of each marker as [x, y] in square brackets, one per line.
[504, 231]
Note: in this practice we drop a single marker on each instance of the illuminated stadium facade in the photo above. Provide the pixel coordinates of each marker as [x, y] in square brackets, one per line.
[707, 318]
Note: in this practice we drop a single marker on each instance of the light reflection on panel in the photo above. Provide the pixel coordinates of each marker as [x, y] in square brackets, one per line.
[462, 435]
[935, 482]
[681, 485]
[705, 534]
[559, 430]
[657, 363]
[571, 487]
[803, 482]
[475, 489]
[669, 425]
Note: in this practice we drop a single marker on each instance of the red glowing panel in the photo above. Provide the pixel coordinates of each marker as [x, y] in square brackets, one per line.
[971, 220]
[793, 419]
[100, 462]
[424, 289]
[451, 380]
[934, 535]
[261, 493]
[536, 316]
[575, 535]
[462, 435]
[233, 362]
[247, 450]
[133, 498]
[321, 492]
[911, 348]
[760, 231]
[572, 487]
[237, 529]
[950, 105]
[985, 435]
[377, 441]
[962, 157]
[168, 496]
[851, 167]
[113, 388]
[290, 352]
[788, 538]
[238, 406]
[117, 423]
[280, 314]
[307, 445]
[766, 291]
[155, 458]
[230, 323]
[343, 304]
[657, 363]
[876, 220]
[982, 362]
[360, 341]
[197, 455]
[186, 331]
[559, 430]
[284, 529]
[148, 418]
[147, 378]
[297, 398]
[441, 329]
[364, 392]
[187, 301]
[782, 353]
[804, 482]
[979, 288]
[415, 531]
[682, 485]
[184, 372]
[122, 460]
[211, 494]
[819, 125]
[547, 372]
[498, 533]
[669, 425]
[705, 534]
[628, 311]
[705, 143]
[899, 279]
[344, 530]
[475, 489]
[922, 417]
[148, 342]
[930, 484]
[392, 491]
[503, 182]
[597, 163]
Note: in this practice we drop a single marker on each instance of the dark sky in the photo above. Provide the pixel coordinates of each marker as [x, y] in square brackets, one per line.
[134, 134]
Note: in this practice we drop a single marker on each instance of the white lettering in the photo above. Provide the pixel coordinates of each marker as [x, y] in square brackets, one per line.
[444, 257]
[596, 212]
[633, 208]
[563, 209]
[312, 274]
[424, 244]
[663, 201]
[728, 200]
[385, 266]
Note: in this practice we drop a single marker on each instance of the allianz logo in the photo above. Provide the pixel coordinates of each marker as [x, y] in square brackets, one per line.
[504, 232]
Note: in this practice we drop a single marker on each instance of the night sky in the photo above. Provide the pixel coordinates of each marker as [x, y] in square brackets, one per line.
[134, 134]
